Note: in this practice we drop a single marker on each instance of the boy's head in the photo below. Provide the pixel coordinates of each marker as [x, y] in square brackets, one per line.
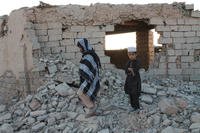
[132, 53]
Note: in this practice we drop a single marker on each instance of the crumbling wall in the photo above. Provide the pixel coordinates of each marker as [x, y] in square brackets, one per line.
[39, 40]
[103, 14]
[3, 32]
[181, 38]
[16, 54]
[3, 25]
[57, 27]
[55, 39]
[16, 47]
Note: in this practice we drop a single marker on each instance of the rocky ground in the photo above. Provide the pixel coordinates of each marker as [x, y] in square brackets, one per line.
[168, 106]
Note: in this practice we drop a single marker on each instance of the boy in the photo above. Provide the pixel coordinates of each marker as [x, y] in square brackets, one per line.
[133, 82]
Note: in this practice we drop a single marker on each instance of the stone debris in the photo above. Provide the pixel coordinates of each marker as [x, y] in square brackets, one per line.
[167, 106]
[46, 35]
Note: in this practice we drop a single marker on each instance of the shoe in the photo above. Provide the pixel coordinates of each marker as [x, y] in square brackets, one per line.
[91, 112]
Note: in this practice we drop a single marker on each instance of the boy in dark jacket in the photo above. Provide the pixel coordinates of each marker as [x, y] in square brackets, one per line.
[133, 82]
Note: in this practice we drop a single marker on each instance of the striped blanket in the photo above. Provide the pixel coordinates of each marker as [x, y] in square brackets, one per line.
[89, 69]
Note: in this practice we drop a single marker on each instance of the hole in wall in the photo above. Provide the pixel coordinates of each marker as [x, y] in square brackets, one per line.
[136, 34]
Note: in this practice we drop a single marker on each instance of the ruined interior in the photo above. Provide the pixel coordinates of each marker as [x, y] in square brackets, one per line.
[39, 56]
[144, 41]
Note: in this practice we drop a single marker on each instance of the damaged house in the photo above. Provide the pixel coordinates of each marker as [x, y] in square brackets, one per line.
[30, 37]
[39, 61]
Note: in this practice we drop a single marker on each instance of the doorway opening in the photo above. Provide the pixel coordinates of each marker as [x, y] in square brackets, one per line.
[142, 38]
[116, 47]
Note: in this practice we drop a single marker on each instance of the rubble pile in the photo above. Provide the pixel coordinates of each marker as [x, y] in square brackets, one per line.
[168, 106]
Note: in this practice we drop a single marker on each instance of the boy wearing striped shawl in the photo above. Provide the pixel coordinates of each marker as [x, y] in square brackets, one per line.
[89, 76]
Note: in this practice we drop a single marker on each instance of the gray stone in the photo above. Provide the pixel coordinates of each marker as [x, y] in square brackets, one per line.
[24, 131]
[34, 104]
[146, 88]
[67, 130]
[31, 120]
[179, 130]
[172, 92]
[19, 124]
[38, 127]
[42, 118]
[61, 126]
[189, 6]
[61, 115]
[195, 131]
[28, 98]
[157, 119]
[51, 86]
[147, 98]
[151, 131]
[51, 121]
[64, 90]
[41, 66]
[195, 126]
[87, 130]
[81, 117]
[181, 103]
[92, 127]
[161, 93]
[52, 68]
[2, 108]
[54, 104]
[18, 112]
[150, 121]
[168, 130]
[61, 104]
[167, 106]
[195, 14]
[166, 122]
[5, 117]
[51, 130]
[6, 128]
[37, 113]
[72, 115]
[195, 117]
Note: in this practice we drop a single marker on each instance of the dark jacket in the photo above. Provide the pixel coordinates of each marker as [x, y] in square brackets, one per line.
[133, 82]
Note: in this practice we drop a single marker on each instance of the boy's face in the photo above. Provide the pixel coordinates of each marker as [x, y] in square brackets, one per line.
[132, 55]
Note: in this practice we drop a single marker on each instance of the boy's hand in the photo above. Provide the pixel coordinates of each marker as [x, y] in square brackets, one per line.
[131, 70]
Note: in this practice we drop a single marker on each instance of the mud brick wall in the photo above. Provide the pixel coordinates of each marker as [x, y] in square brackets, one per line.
[32, 37]
[55, 39]
[181, 37]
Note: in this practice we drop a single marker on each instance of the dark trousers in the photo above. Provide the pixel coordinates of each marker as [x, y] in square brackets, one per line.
[134, 100]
